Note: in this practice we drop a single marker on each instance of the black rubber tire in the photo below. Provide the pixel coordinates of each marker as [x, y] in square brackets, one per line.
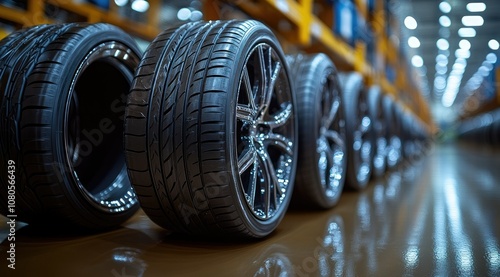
[358, 125]
[319, 185]
[378, 131]
[57, 82]
[393, 140]
[182, 131]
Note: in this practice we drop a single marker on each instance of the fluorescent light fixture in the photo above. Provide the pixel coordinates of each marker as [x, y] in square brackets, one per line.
[417, 61]
[464, 44]
[410, 23]
[140, 6]
[458, 68]
[444, 21]
[196, 15]
[476, 7]
[472, 20]
[442, 44]
[467, 32]
[462, 53]
[121, 3]
[445, 7]
[442, 59]
[440, 83]
[184, 14]
[493, 44]
[441, 69]
[488, 65]
[484, 71]
[413, 42]
[491, 58]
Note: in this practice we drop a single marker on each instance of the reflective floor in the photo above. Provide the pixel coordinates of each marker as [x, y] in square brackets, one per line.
[438, 217]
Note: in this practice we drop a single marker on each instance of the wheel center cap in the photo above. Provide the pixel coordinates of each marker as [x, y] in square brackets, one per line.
[258, 130]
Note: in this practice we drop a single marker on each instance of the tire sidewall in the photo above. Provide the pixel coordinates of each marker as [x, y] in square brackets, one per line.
[72, 189]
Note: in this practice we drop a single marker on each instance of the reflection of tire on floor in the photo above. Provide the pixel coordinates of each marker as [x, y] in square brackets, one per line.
[328, 257]
[58, 85]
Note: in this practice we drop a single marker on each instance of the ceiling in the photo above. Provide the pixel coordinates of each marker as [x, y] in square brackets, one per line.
[445, 100]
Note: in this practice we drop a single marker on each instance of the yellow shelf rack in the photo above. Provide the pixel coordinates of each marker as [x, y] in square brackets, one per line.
[35, 15]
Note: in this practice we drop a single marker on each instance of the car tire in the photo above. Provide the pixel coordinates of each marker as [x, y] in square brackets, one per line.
[378, 131]
[211, 130]
[358, 125]
[322, 148]
[394, 144]
[59, 128]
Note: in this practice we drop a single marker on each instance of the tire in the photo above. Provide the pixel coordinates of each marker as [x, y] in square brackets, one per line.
[378, 131]
[322, 148]
[199, 143]
[358, 125]
[61, 124]
[393, 139]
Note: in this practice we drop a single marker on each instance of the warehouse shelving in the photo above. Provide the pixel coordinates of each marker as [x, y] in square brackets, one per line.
[35, 14]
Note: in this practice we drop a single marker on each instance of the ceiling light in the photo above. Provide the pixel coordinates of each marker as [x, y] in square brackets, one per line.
[184, 14]
[464, 44]
[445, 7]
[442, 44]
[121, 3]
[410, 23]
[484, 71]
[491, 58]
[140, 6]
[493, 44]
[472, 20]
[467, 32]
[444, 21]
[476, 7]
[441, 69]
[413, 42]
[488, 65]
[196, 15]
[442, 59]
[417, 61]
[462, 53]
[440, 82]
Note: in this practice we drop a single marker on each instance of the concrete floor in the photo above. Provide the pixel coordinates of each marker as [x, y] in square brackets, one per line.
[437, 217]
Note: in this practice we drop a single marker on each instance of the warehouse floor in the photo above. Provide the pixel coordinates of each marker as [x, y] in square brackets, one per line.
[438, 217]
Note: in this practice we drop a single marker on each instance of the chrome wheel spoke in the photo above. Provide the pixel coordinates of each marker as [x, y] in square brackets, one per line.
[262, 67]
[335, 137]
[249, 89]
[332, 114]
[280, 141]
[245, 113]
[247, 159]
[281, 118]
[252, 186]
[271, 181]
